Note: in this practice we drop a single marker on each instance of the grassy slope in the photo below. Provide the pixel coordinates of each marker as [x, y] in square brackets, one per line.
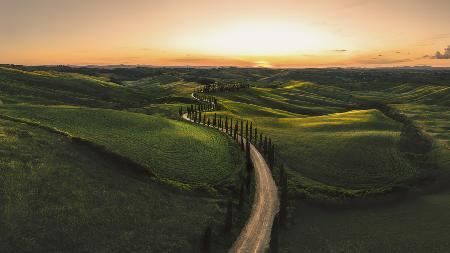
[170, 149]
[333, 149]
[414, 226]
[428, 105]
[329, 151]
[46, 87]
[58, 196]
[293, 97]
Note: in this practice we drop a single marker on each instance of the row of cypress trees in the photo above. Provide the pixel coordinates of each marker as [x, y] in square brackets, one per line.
[233, 128]
[239, 129]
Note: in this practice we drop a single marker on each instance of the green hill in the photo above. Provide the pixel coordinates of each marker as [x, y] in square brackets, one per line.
[59, 196]
[171, 150]
[50, 87]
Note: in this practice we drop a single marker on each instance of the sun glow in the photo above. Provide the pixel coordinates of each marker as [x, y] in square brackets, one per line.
[262, 38]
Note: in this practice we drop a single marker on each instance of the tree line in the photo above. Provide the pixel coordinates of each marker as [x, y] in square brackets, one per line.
[220, 87]
[412, 138]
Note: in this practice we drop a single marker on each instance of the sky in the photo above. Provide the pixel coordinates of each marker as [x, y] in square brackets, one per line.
[263, 33]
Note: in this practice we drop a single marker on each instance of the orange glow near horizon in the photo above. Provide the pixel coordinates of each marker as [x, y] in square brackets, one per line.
[265, 33]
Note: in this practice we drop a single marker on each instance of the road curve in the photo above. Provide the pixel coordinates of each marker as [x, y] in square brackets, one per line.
[255, 236]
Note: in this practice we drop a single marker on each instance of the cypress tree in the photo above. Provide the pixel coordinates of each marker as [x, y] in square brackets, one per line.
[229, 217]
[242, 129]
[265, 146]
[256, 137]
[231, 126]
[242, 133]
[209, 122]
[260, 140]
[251, 131]
[280, 180]
[204, 119]
[199, 117]
[272, 156]
[206, 240]
[220, 121]
[246, 129]
[236, 126]
[215, 119]
[226, 125]
[269, 149]
[247, 150]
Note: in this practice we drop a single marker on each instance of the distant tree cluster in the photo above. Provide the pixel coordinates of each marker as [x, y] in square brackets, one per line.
[220, 87]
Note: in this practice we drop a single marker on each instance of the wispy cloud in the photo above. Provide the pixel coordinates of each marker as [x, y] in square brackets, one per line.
[444, 55]
[382, 61]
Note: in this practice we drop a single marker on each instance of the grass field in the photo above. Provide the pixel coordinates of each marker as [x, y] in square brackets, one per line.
[331, 152]
[414, 226]
[172, 150]
[326, 153]
[58, 196]
[333, 149]
[293, 97]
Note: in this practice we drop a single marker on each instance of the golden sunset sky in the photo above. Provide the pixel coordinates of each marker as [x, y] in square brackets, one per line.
[281, 33]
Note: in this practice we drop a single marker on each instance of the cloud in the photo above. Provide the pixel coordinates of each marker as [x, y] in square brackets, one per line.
[382, 61]
[444, 55]
[340, 50]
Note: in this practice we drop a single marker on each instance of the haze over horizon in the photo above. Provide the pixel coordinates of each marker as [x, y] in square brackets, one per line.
[321, 33]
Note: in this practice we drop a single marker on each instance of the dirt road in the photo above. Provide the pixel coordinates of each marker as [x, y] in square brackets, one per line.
[255, 236]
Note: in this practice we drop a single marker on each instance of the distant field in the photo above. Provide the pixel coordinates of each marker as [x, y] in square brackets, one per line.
[327, 152]
[293, 97]
[410, 93]
[172, 150]
[162, 86]
[345, 150]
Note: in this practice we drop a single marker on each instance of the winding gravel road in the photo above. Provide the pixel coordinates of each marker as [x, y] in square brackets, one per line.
[255, 236]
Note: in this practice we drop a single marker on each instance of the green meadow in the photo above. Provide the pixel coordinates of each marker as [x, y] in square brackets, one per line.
[171, 150]
[59, 196]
